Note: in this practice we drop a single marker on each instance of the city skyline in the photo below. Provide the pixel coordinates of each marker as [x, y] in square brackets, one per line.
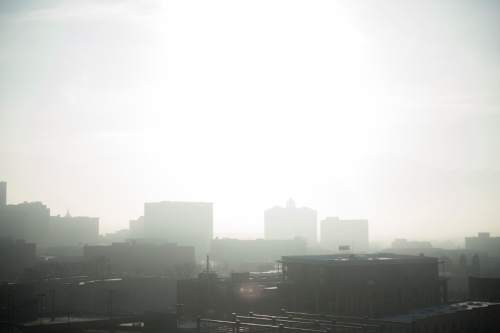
[357, 110]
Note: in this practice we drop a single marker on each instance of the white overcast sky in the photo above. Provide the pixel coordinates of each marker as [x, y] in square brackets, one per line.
[386, 110]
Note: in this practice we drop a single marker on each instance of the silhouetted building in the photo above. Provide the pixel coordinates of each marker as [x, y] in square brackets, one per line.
[484, 289]
[27, 220]
[484, 243]
[290, 222]
[73, 230]
[363, 285]
[15, 257]
[253, 255]
[136, 258]
[456, 265]
[18, 303]
[3, 194]
[212, 295]
[401, 243]
[344, 235]
[129, 295]
[185, 223]
[136, 228]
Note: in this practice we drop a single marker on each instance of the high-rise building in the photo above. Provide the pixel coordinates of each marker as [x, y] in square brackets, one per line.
[136, 228]
[27, 220]
[290, 222]
[184, 223]
[73, 230]
[338, 235]
[3, 194]
[484, 243]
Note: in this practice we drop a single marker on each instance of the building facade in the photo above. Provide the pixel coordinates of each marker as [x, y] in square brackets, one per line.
[290, 222]
[73, 230]
[15, 257]
[184, 223]
[484, 243]
[338, 235]
[361, 285]
[28, 221]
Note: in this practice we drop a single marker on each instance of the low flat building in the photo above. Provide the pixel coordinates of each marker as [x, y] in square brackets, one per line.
[401, 243]
[362, 285]
[137, 258]
[255, 255]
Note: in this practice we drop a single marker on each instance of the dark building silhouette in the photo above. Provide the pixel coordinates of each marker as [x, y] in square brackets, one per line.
[212, 295]
[18, 303]
[3, 194]
[456, 265]
[129, 295]
[361, 285]
[73, 230]
[138, 258]
[338, 235]
[15, 257]
[27, 220]
[484, 243]
[185, 223]
[253, 255]
[484, 288]
[290, 222]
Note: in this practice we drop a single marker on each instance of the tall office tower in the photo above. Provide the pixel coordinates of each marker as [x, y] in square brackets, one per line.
[338, 235]
[3, 194]
[184, 223]
[290, 222]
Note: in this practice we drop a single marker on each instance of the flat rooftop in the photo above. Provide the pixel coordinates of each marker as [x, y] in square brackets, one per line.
[439, 310]
[361, 259]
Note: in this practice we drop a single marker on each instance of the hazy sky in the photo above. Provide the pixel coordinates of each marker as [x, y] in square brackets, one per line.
[386, 110]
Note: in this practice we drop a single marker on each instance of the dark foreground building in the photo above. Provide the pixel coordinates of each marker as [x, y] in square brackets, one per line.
[15, 257]
[361, 285]
[484, 288]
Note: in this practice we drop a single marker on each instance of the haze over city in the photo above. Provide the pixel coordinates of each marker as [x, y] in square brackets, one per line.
[262, 166]
[385, 111]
